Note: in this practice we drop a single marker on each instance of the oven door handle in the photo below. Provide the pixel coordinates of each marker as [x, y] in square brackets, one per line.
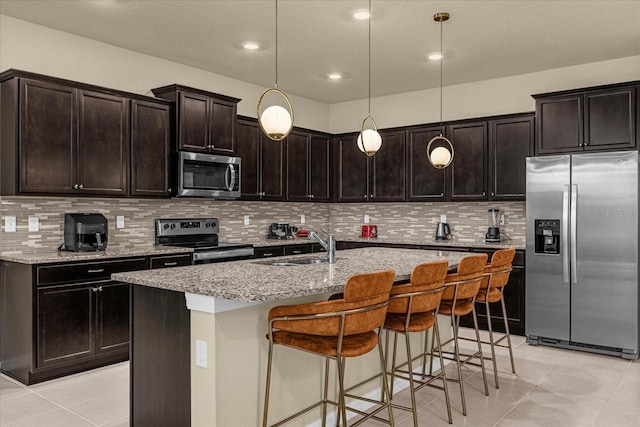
[231, 172]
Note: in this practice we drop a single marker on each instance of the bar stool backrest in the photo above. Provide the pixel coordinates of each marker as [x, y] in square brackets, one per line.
[469, 273]
[360, 291]
[497, 271]
[424, 277]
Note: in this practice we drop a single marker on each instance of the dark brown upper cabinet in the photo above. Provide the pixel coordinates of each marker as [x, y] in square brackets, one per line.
[70, 141]
[424, 182]
[150, 149]
[205, 122]
[307, 167]
[468, 171]
[262, 167]
[602, 118]
[379, 178]
[511, 140]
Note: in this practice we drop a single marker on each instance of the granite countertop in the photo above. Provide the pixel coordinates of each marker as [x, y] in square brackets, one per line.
[258, 280]
[114, 252]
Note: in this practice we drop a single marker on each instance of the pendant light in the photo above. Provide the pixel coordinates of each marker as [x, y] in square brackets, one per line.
[369, 140]
[275, 121]
[441, 156]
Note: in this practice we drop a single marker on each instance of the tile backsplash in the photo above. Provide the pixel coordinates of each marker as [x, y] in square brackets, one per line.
[468, 220]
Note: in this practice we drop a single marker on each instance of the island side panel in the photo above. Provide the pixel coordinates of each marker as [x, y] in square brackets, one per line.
[160, 358]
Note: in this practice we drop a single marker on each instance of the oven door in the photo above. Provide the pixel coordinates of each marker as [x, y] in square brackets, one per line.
[208, 175]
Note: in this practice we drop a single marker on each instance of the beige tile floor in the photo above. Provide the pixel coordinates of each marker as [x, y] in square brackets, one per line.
[551, 387]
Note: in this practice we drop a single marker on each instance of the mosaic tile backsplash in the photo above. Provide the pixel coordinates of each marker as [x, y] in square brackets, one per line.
[468, 220]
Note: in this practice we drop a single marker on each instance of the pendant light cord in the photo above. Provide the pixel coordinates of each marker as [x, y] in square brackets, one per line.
[276, 44]
[441, 61]
[369, 57]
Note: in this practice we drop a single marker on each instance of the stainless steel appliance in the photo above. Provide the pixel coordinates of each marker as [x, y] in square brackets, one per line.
[201, 234]
[443, 231]
[281, 231]
[84, 232]
[208, 175]
[493, 232]
[582, 252]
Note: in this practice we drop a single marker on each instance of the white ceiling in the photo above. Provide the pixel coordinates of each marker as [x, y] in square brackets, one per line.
[482, 40]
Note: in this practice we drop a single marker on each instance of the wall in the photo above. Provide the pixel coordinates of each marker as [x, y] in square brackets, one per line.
[478, 99]
[43, 50]
[411, 222]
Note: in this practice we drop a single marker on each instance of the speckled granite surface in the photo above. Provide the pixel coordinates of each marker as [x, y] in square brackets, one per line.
[49, 257]
[252, 280]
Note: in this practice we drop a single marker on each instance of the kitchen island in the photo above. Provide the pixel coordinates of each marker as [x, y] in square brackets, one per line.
[226, 306]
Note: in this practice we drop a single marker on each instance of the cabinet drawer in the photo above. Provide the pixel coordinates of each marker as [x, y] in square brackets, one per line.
[90, 271]
[171, 261]
[297, 249]
[269, 251]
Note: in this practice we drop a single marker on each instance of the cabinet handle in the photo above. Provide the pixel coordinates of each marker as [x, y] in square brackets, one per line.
[267, 254]
[313, 196]
[99, 288]
[484, 194]
[493, 194]
[580, 145]
[441, 194]
[81, 186]
[169, 264]
[97, 270]
[296, 252]
[75, 186]
[94, 289]
[586, 143]
[365, 196]
[371, 196]
[169, 190]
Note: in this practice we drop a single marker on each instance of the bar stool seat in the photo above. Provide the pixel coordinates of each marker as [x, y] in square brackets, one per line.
[352, 346]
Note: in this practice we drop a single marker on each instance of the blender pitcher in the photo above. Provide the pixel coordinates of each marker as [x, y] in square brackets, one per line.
[493, 233]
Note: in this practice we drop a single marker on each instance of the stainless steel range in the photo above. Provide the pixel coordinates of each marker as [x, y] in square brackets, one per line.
[201, 234]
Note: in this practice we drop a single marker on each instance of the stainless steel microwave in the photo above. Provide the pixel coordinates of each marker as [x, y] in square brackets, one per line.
[208, 175]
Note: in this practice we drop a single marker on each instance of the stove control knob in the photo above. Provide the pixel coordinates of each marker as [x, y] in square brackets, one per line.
[173, 226]
[165, 226]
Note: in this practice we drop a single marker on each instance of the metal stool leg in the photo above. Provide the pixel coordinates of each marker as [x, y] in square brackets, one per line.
[385, 384]
[325, 391]
[342, 411]
[506, 329]
[411, 384]
[475, 325]
[491, 342]
[444, 375]
[268, 385]
[456, 353]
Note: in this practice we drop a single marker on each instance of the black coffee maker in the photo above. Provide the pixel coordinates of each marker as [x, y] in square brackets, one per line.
[84, 232]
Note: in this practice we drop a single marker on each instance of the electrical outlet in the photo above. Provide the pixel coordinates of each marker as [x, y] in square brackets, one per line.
[119, 221]
[246, 220]
[201, 353]
[34, 223]
[502, 219]
[9, 224]
[366, 219]
[303, 219]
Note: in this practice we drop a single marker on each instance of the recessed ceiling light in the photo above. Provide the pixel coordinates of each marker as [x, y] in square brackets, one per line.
[251, 45]
[334, 76]
[361, 14]
[435, 56]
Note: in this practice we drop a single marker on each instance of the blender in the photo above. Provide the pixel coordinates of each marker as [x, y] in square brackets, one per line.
[493, 233]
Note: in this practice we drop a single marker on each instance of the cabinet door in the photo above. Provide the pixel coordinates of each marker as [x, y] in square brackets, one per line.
[150, 149]
[298, 166]
[610, 117]
[193, 122]
[424, 181]
[319, 173]
[65, 324]
[272, 168]
[388, 170]
[353, 171]
[510, 142]
[468, 171]
[559, 124]
[223, 127]
[103, 143]
[112, 317]
[47, 138]
[249, 152]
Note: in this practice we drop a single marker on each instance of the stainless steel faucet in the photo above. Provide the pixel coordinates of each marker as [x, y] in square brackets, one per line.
[329, 245]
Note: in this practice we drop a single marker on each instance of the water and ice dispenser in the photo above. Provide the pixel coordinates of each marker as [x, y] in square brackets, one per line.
[547, 238]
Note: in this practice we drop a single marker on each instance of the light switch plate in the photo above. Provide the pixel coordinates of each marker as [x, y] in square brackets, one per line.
[303, 219]
[366, 219]
[120, 221]
[34, 223]
[9, 224]
[502, 219]
[246, 220]
[201, 353]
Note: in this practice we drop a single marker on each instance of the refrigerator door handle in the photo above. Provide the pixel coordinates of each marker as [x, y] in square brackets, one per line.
[574, 233]
[565, 234]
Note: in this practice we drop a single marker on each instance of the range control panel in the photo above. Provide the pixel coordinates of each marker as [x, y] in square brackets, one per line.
[181, 227]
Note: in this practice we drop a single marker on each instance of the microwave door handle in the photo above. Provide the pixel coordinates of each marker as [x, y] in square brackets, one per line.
[231, 171]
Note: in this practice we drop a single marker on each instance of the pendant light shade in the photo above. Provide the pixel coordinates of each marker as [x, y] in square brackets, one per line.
[275, 121]
[369, 141]
[439, 149]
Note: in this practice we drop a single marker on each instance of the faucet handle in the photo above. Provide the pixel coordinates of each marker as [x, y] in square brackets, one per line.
[325, 232]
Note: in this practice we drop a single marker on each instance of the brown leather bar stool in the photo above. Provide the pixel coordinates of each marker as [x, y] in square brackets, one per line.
[495, 277]
[413, 308]
[458, 299]
[336, 330]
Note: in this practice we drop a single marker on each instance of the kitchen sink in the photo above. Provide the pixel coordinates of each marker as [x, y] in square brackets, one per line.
[293, 261]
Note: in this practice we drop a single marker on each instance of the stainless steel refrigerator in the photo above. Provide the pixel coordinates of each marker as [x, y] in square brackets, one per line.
[582, 252]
